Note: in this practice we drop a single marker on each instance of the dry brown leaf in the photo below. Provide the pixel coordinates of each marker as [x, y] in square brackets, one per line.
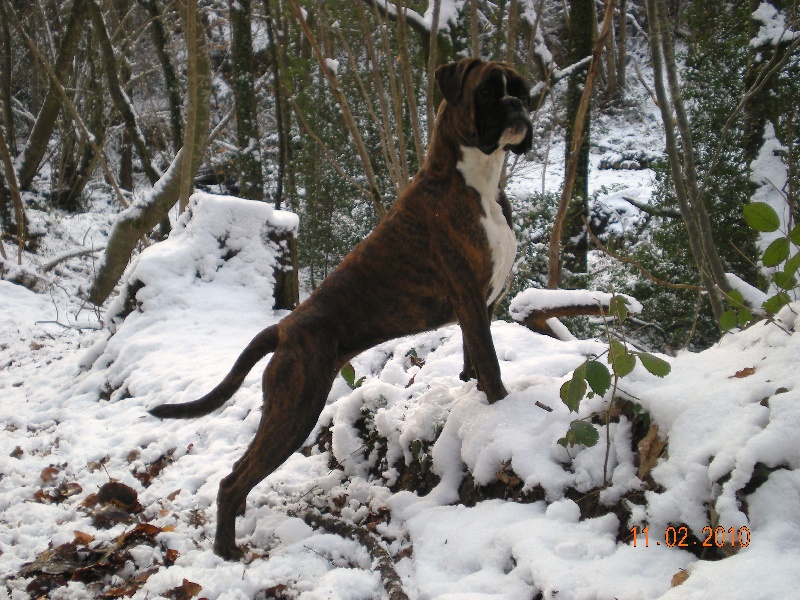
[48, 474]
[170, 556]
[680, 577]
[82, 539]
[118, 494]
[746, 372]
[185, 591]
[650, 449]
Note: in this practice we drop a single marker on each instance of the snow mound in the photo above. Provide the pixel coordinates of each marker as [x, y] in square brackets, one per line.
[212, 280]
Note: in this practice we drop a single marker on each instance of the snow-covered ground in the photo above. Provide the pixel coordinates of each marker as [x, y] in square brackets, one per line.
[73, 409]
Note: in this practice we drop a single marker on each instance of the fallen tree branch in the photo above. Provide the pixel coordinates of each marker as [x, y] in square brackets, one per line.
[59, 258]
[666, 213]
[391, 580]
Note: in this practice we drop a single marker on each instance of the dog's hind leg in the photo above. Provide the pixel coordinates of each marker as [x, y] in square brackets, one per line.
[296, 386]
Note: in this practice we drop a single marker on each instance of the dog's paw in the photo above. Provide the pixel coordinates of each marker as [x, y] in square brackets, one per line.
[228, 551]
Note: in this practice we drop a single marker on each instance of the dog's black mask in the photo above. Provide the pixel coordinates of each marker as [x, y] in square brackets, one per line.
[501, 104]
[499, 100]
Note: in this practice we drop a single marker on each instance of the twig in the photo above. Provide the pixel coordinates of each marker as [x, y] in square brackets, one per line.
[328, 152]
[391, 580]
[79, 327]
[638, 265]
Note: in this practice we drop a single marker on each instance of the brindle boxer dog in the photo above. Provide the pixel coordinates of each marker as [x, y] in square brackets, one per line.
[441, 254]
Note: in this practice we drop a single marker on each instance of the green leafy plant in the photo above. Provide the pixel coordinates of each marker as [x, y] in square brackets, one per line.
[761, 217]
[593, 377]
[349, 375]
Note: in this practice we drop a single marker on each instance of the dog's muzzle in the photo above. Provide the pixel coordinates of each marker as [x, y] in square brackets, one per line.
[518, 132]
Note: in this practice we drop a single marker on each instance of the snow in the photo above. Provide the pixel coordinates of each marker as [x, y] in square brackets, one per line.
[449, 11]
[773, 29]
[535, 300]
[81, 399]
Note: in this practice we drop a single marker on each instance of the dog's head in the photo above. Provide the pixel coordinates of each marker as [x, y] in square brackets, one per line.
[493, 102]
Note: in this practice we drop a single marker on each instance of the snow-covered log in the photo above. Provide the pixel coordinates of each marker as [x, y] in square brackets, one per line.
[539, 310]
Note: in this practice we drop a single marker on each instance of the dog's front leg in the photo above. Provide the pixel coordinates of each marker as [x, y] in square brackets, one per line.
[469, 368]
[473, 317]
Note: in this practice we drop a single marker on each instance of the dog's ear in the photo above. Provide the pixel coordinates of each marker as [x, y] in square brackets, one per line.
[450, 78]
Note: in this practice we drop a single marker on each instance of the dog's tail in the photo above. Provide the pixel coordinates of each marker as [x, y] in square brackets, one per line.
[261, 345]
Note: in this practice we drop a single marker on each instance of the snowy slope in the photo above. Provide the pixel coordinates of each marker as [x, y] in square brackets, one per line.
[74, 407]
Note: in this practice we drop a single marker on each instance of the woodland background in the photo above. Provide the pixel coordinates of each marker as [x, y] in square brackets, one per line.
[668, 126]
[324, 109]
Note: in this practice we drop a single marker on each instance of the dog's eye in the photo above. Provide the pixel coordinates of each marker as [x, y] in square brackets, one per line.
[487, 93]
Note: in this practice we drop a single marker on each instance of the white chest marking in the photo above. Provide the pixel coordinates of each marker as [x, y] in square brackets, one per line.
[482, 172]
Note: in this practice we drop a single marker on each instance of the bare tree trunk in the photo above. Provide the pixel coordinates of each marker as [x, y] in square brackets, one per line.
[689, 164]
[578, 137]
[118, 96]
[279, 104]
[251, 179]
[408, 84]
[5, 79]
[160, 41]
[622, 47]
[45, 122]
[432, 58]
[16, 199]
[190, 21]
[473, 23]
[375, 195]
[385, 126]
[397, 102]
[142, 217]
[511, 40]
[80, 155]
[681, 192]
[583, 20]
[612, 87]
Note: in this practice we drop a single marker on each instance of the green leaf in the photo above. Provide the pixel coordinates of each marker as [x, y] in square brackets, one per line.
[657, 366]
[586, 434]
[349, 375]
[618, 307]
[785, 279]
[745, 316]
[573, 391]
[620, 359]
[598, 377]
[728, 320]
[792, 264]
[761, 217]
[624, 364]
[568, 439]
[776, 252]
[735, 299]
[615, 349]
[777, 302]
[795, 235]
